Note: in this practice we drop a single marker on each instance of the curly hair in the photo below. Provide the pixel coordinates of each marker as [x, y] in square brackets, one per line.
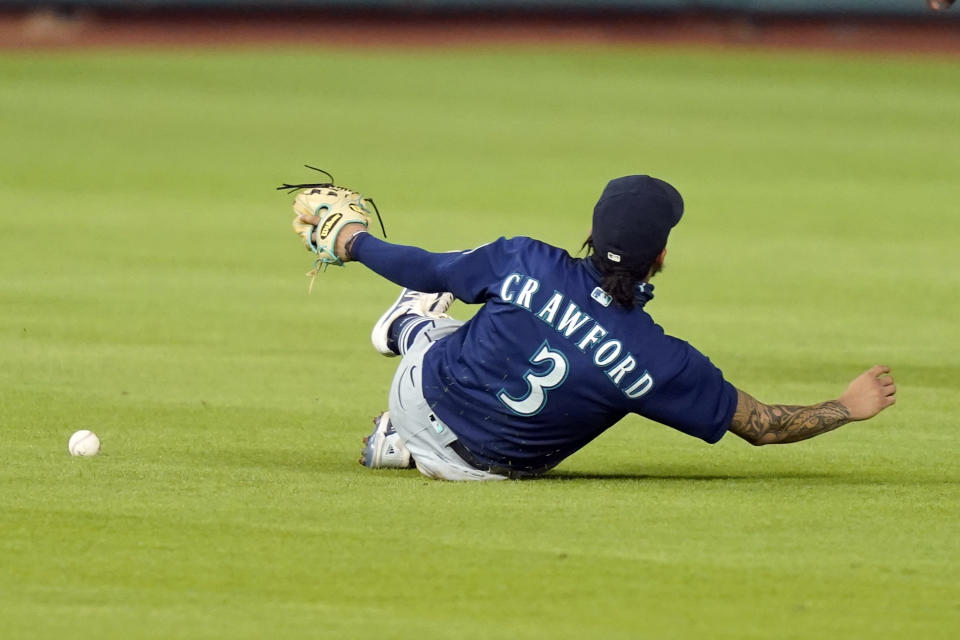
[619, 282]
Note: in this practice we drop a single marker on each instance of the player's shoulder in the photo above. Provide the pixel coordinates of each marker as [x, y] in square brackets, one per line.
[531, 247]
[685, 356]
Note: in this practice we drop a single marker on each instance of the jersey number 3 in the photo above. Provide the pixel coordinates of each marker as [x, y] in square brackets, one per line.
[533, 401]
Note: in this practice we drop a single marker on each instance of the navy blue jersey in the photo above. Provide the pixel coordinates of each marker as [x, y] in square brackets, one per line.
[549, 362]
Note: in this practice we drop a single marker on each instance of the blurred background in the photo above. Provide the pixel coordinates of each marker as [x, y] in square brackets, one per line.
[860, 24]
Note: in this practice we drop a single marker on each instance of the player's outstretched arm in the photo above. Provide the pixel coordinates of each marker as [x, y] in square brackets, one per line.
[468, 275]
[867, 395]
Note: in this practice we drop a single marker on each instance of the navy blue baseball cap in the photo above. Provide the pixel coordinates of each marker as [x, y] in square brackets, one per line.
[632, 220]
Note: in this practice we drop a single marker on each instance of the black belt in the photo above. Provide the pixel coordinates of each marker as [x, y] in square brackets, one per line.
[468, 457]
[457, 447]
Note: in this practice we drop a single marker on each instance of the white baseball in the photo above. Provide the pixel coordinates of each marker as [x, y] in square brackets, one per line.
[84, 443]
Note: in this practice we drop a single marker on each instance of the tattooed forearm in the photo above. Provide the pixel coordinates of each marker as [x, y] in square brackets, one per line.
[759, 423]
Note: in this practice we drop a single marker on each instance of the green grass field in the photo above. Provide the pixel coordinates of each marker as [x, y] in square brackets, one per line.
[151, 290]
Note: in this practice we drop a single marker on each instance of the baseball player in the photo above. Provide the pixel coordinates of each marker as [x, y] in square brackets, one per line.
[561, 350]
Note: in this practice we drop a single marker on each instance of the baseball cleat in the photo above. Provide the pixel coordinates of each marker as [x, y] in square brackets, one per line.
[383, 448]
[410, 302]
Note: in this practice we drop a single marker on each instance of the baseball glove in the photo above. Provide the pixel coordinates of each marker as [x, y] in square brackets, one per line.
[336, 207]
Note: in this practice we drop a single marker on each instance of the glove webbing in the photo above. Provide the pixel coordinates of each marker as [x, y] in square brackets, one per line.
[290, 188]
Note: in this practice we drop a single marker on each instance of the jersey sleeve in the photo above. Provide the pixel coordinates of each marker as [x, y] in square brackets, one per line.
[697, 400]
[469, 275]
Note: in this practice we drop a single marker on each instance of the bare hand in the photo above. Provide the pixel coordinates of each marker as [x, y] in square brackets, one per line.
[308, 219]
[869, 393]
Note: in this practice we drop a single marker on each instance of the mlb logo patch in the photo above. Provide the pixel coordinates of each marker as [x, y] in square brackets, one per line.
[601, 296]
